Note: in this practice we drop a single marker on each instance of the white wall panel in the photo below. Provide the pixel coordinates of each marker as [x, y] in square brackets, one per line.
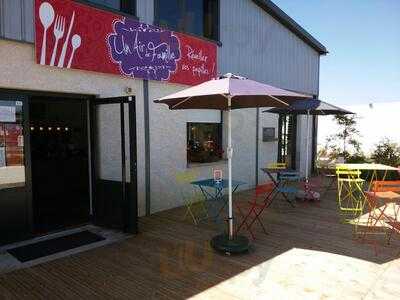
[145, 10]
[203, 116]
[257, 46]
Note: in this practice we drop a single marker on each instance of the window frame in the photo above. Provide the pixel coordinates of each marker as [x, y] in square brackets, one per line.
[215, 40]
[126, 6]
[219, 136]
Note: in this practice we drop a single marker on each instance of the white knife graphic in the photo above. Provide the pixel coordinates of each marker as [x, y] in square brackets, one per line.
[65, 46]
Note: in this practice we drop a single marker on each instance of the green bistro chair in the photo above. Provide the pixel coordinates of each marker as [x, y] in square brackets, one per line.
[350, 196]
[193, 199]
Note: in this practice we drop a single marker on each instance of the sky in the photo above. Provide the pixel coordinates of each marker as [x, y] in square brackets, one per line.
[363, 63]
[371, 130]
[363, 40]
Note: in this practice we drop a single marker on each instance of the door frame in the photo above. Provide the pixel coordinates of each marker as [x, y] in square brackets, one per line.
[25, 96]
[25, 191]
[130, 215]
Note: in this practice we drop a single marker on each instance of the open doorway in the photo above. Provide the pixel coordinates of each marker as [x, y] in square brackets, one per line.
[60, 163]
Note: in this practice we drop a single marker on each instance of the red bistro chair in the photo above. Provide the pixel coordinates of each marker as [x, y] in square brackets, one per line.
[383, 209]
[250, 211]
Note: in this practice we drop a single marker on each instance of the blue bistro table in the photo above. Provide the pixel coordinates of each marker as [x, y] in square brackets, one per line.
[213, 193]
[283, 177]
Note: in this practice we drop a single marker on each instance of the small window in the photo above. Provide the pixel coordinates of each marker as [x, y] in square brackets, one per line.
[126, 6]
[198, 17]
[12, 167]
[204, 142]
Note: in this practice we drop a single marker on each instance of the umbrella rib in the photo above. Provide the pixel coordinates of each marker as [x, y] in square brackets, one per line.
[180, 102]
[276, 99]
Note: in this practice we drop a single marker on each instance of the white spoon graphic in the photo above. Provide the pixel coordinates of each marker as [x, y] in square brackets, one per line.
[76, 43]
[46, 16]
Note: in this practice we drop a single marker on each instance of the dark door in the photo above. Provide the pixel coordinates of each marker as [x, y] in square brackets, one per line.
[114, 163]
[60, 165]
[14, 188]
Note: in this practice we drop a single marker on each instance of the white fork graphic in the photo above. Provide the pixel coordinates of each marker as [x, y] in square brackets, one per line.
[59, 28]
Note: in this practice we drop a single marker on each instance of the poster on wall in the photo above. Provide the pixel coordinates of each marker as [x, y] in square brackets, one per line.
[14, 144]
[77, 36]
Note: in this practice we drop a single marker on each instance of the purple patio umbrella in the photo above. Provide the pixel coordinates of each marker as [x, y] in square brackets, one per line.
[226, 93]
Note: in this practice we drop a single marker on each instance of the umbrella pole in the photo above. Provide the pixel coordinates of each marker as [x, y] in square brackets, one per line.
[307, 143]
[230, 155]
[306, 184]
[308, 194]
[230, 243]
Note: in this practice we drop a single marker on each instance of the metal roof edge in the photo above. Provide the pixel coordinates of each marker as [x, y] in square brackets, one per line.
[278, 14]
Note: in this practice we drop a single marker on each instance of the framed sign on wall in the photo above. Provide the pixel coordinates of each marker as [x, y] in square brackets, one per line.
[268, 134]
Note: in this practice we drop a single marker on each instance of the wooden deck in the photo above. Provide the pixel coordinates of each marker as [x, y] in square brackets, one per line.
[307, 254]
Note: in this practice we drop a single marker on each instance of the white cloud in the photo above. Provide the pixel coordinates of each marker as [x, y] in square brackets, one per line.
[375, 122]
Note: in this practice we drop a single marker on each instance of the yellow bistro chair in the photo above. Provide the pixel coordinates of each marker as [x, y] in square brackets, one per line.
[350, 195]
[193, 199]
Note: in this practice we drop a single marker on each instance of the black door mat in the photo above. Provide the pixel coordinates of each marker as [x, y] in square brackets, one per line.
[56, 245]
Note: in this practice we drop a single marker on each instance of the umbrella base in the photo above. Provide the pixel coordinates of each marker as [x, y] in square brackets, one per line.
[222, 243]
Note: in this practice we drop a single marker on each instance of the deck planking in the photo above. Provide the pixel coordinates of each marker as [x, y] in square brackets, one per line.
[171, 259]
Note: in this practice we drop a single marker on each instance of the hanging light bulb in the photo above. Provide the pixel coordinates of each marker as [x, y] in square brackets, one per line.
[49, 128]
[32, 128]
[58, 128]
[40, 128]
[66, 129]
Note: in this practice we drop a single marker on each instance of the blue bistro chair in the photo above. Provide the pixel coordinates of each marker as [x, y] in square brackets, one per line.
[287, 182]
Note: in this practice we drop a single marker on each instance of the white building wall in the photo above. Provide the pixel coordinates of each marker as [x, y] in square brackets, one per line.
[301, 148]
[268, 151]
[257, 46]
[145, 11]
[244, 145]
[254, 45]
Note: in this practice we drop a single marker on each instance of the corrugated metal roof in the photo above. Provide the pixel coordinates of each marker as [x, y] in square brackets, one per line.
[291, 24]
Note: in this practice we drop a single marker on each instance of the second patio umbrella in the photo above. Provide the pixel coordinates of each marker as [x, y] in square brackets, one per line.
[309, 107]
[226, 93]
